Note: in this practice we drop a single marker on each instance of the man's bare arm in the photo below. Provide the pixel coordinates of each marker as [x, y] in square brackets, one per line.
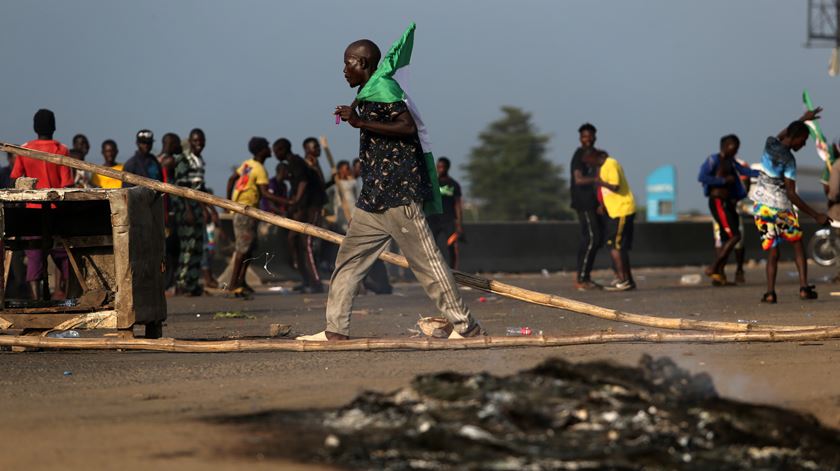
[806, 116]
[231, 182]
[580, 179]
[299, 193]
[402, 126]
[790, 189]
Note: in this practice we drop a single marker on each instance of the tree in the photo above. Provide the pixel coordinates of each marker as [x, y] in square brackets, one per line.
[509, 174]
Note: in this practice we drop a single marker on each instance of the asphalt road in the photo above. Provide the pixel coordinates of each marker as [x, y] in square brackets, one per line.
[135, 410]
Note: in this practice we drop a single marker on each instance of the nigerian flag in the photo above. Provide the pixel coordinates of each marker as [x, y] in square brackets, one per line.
[386, 85]
[824, 150]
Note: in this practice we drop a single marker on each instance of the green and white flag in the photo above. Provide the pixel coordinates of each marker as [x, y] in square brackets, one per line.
[387, 85]
[824, 150]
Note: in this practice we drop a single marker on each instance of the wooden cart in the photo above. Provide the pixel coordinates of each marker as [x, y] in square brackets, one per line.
[114, 240]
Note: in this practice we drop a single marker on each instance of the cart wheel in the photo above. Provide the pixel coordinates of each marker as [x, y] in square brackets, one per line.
[154, 330]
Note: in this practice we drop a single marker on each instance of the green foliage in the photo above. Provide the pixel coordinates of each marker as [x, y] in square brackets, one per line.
[509, 174]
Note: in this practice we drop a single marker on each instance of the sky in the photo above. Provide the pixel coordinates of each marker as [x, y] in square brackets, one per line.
[661, 79]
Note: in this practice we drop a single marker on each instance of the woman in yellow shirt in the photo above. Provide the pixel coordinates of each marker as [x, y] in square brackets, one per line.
[109, 153]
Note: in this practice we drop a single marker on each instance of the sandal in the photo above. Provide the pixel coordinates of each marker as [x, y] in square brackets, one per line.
[807, 292]
[718, 279]
[769, 297]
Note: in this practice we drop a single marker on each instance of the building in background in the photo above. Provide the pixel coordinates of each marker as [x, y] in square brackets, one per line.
[661, 188]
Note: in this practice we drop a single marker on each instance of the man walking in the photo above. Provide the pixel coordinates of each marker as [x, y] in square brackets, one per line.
[721, 175]
[396, 182]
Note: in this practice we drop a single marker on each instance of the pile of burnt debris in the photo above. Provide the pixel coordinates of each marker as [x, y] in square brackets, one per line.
[560, 416]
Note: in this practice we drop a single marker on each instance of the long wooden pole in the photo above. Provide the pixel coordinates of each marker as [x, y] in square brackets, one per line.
[476, 282]
[482, 343]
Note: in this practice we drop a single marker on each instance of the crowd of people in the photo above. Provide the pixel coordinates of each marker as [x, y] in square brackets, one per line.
[605, 207]
[299, 189]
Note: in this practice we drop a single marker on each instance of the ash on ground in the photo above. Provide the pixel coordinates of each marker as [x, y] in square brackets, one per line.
[555, 416]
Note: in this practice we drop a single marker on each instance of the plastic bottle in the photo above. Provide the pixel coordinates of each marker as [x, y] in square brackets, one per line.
[519, 331]
[64, 334]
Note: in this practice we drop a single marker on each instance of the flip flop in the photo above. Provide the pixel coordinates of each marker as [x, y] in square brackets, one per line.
[718, 279]
[319, 337]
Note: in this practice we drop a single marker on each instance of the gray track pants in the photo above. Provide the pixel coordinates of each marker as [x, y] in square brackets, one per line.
[367, 237]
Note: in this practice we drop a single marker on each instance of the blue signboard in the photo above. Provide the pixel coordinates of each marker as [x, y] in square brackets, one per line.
[661, 186]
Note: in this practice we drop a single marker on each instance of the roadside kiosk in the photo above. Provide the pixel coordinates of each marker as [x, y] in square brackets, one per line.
[114, 240]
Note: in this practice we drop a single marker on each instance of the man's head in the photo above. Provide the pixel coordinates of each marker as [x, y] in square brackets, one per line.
[729, 145]
[145, 139]
[44, 123]
[197, 141]
[81, 143]
[11, 159]
[258, 147]
[171, 144]
[282, 148]
[343, 170]
[587, 135]
[109, 152]
[796, 135]
[357, 167]
[361, 58]
[311, 147]
[443, 166]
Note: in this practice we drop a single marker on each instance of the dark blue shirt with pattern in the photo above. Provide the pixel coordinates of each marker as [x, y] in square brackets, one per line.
[393, 168]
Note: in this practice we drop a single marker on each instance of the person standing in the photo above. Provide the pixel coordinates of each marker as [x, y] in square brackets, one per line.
[109, 157]
[306, 200]
[585, 203]
[247, 186]
[721, 175]
[189, 216]
[390, 206]
[48, 175]
[143, 162]
[319, 199]
[342, 196]
[277, 187]
[80, 150]
[447, 227]
[311, 154]
[620, 206]
[171, 147]
[775, 196]
[6, 172]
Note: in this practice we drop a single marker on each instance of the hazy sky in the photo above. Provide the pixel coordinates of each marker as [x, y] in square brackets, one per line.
[662, 79]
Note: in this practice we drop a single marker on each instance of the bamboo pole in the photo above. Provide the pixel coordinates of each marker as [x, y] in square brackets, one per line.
[492, 286]
[424, 344]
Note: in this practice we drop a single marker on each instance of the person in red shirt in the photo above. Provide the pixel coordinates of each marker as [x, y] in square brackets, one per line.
[49, 175]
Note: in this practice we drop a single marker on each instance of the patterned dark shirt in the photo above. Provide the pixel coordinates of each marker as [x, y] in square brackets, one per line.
[393, 168]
